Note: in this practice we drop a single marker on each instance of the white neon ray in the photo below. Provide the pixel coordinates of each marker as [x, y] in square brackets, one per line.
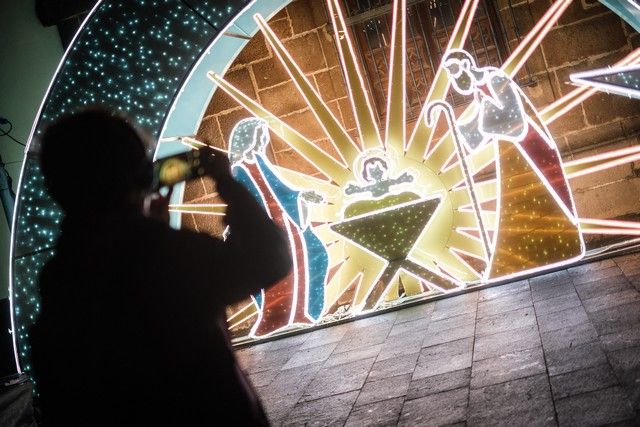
[611, 223]
[613, 231]
[561, 106]
[456, 253]
[216, 209]
[529, 44]
[365, 119]
[605, 165]
[339, 138]
[244, 319]
[396, 96]
[330, 167]
[466, 231]
[585, 78]
[237, 313]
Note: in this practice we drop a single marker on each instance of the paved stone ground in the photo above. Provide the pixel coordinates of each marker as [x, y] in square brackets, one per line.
[563, 348]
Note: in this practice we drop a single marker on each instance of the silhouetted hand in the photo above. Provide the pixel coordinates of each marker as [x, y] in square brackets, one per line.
[158, 206]
[216, 164]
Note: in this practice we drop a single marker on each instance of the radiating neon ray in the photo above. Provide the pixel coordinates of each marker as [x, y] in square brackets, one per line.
[466, 231]
[612, 231]
[354, 282]
[457, 254]
[316, 156]
[529, 44]
[603, 156]
[469, 245]
[203, 209]
[598, 80]
[468, 219]
[396, 108]
[600, 162]
[569, 101]
[250, 306]
[609, 223]
[480, 159]
[329, 123]
[244, 319]
[421, 136]
[360, 102]
[411, 284]
[196, 144]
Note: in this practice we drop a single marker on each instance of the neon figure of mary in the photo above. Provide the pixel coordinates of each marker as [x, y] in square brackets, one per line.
[297, 299]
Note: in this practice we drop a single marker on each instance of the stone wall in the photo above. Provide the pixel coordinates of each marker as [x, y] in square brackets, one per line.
[587, 36]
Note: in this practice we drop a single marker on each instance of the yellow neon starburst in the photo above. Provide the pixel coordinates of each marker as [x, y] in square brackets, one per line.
[450, 251]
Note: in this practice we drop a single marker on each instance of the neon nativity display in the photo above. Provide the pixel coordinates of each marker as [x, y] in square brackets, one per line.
[398, 213]
[403, 216]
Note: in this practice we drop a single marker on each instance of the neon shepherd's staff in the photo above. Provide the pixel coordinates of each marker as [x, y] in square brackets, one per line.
[430, 117]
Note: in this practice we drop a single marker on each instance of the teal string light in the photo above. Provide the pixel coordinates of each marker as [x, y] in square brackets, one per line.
[133, 56]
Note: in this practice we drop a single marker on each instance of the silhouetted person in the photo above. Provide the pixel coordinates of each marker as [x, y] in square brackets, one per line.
[132, 328]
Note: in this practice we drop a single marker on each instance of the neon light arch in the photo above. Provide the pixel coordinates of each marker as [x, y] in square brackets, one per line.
[37, 219]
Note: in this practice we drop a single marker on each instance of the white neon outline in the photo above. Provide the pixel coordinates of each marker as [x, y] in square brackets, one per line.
[583, 78]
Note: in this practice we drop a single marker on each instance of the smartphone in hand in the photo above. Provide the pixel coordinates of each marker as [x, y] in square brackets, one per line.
[180, 167]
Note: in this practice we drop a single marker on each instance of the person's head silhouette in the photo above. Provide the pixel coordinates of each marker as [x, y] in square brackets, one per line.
[95, 161]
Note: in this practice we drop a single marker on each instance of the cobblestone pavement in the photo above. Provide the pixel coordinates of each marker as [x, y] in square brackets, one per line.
[558, 349]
